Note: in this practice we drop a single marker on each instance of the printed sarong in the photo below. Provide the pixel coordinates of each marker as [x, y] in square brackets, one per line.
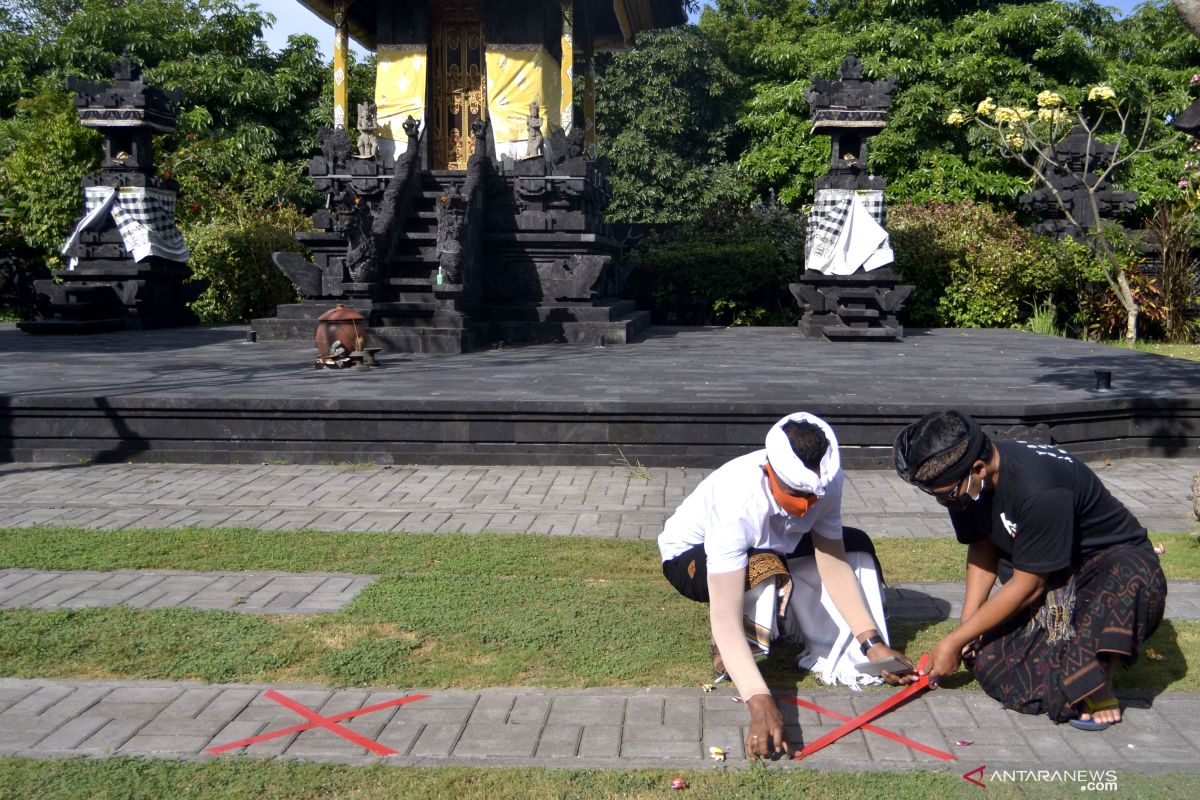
[1119, 598]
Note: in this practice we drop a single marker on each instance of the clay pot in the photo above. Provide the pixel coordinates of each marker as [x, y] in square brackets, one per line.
[340, 324]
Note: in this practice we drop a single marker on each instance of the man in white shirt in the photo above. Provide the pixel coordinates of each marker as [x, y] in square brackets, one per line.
[739, 525]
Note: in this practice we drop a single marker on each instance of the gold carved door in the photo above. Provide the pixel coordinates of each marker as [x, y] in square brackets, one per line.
[459, 80]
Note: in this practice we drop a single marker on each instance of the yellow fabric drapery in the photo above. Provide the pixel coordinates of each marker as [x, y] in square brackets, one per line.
[566, 75]
[341, 88]
[517, 78]
[400, 89]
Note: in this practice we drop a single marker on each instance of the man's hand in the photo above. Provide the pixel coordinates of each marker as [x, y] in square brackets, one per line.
[768, 734]
[944, 659]
[881, 651]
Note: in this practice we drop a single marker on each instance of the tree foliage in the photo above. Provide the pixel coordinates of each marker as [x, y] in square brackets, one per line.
[44, 154]
[212, 51]
[665, 122]
[944, 53]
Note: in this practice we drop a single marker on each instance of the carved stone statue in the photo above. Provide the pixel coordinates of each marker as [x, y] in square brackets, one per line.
[362, 255]
[536, 145]
[335, 146]
[368, 142]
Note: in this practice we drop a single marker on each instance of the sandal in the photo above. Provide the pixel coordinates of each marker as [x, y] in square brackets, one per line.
[1092, 707]
[718, 665]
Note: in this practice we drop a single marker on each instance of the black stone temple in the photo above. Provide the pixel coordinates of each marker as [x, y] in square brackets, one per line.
[1078, 158]
[477, 217]
[128, 261]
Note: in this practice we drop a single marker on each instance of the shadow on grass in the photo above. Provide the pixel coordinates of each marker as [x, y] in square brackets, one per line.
[1160, 665]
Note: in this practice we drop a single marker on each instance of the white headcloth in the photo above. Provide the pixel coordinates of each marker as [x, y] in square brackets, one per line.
[787, 465]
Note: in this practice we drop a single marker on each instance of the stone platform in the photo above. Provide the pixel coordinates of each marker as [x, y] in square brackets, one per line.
[683, 397]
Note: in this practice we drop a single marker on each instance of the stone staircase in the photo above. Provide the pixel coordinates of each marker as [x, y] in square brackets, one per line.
[540, 281]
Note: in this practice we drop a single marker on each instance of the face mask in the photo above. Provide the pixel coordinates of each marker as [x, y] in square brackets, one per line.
[965, 498]
[794, 506]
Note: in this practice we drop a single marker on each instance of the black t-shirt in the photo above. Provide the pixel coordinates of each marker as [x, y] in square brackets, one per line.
[1047, 512]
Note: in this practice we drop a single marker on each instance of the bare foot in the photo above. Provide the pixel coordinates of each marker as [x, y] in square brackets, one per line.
[1102, 706]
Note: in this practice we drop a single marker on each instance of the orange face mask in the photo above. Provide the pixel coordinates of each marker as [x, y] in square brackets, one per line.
[794, 506]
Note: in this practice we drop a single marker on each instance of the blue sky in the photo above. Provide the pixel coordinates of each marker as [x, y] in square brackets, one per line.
[291, 17]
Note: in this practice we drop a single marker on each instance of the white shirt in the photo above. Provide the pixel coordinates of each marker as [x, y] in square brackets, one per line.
[732, 511]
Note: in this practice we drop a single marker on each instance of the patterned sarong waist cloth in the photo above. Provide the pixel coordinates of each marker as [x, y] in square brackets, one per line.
[145, 217]
[846, 233]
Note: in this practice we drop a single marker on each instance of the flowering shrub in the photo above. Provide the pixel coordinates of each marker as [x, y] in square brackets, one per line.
[975, 267]
[1029, 137]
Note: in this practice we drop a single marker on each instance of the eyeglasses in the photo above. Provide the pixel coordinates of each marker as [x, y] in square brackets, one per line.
[950, 495]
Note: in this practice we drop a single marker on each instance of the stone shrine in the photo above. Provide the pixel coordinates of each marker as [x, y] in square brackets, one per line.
[127, 260]
[847, 293]
[479, 218]
[1079, 157]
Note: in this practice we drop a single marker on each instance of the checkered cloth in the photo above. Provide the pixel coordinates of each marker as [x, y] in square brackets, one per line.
[834, 234]
[145, 217]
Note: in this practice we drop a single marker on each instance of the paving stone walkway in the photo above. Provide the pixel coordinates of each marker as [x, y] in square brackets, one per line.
[249, 592]
[596, 728]
[610, 502]
[311, 593]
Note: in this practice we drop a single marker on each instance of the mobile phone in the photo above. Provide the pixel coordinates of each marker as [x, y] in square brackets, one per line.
[891, 664]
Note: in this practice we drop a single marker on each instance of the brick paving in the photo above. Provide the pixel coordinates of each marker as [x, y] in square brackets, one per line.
[605, 502]
[311, 593]
[248, 592]
[595, 728]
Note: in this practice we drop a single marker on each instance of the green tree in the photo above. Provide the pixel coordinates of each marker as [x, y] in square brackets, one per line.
[212, 51]
[944, 53]
[44, 154]
[1028, 136]
[665, 111]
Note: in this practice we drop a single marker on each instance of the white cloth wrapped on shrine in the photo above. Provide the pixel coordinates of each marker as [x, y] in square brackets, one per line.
[144, 216]
[830, 650]
[846, 233]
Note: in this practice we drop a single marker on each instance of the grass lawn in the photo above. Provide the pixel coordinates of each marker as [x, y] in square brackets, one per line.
[264, 780]
[1190, 352]
[447, 611]
[459, 611]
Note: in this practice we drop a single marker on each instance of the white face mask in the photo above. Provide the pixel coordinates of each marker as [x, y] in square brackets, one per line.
[982, 486]
[965, 498]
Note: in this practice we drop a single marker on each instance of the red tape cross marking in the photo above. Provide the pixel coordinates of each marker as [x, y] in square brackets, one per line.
[895, 737]
[867, 716]
[316, 720]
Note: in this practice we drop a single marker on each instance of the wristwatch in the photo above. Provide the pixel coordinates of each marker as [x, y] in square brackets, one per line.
[870, 642]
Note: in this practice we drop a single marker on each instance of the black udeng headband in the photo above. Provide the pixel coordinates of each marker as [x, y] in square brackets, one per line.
[904, 458]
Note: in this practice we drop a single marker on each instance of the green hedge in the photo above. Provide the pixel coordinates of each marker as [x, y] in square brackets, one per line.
[976, 267]
[710, 283]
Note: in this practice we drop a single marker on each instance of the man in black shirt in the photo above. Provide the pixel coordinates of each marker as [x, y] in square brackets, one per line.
[1082, 587]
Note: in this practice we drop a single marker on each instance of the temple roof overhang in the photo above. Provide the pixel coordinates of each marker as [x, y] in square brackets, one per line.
[615, 23]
